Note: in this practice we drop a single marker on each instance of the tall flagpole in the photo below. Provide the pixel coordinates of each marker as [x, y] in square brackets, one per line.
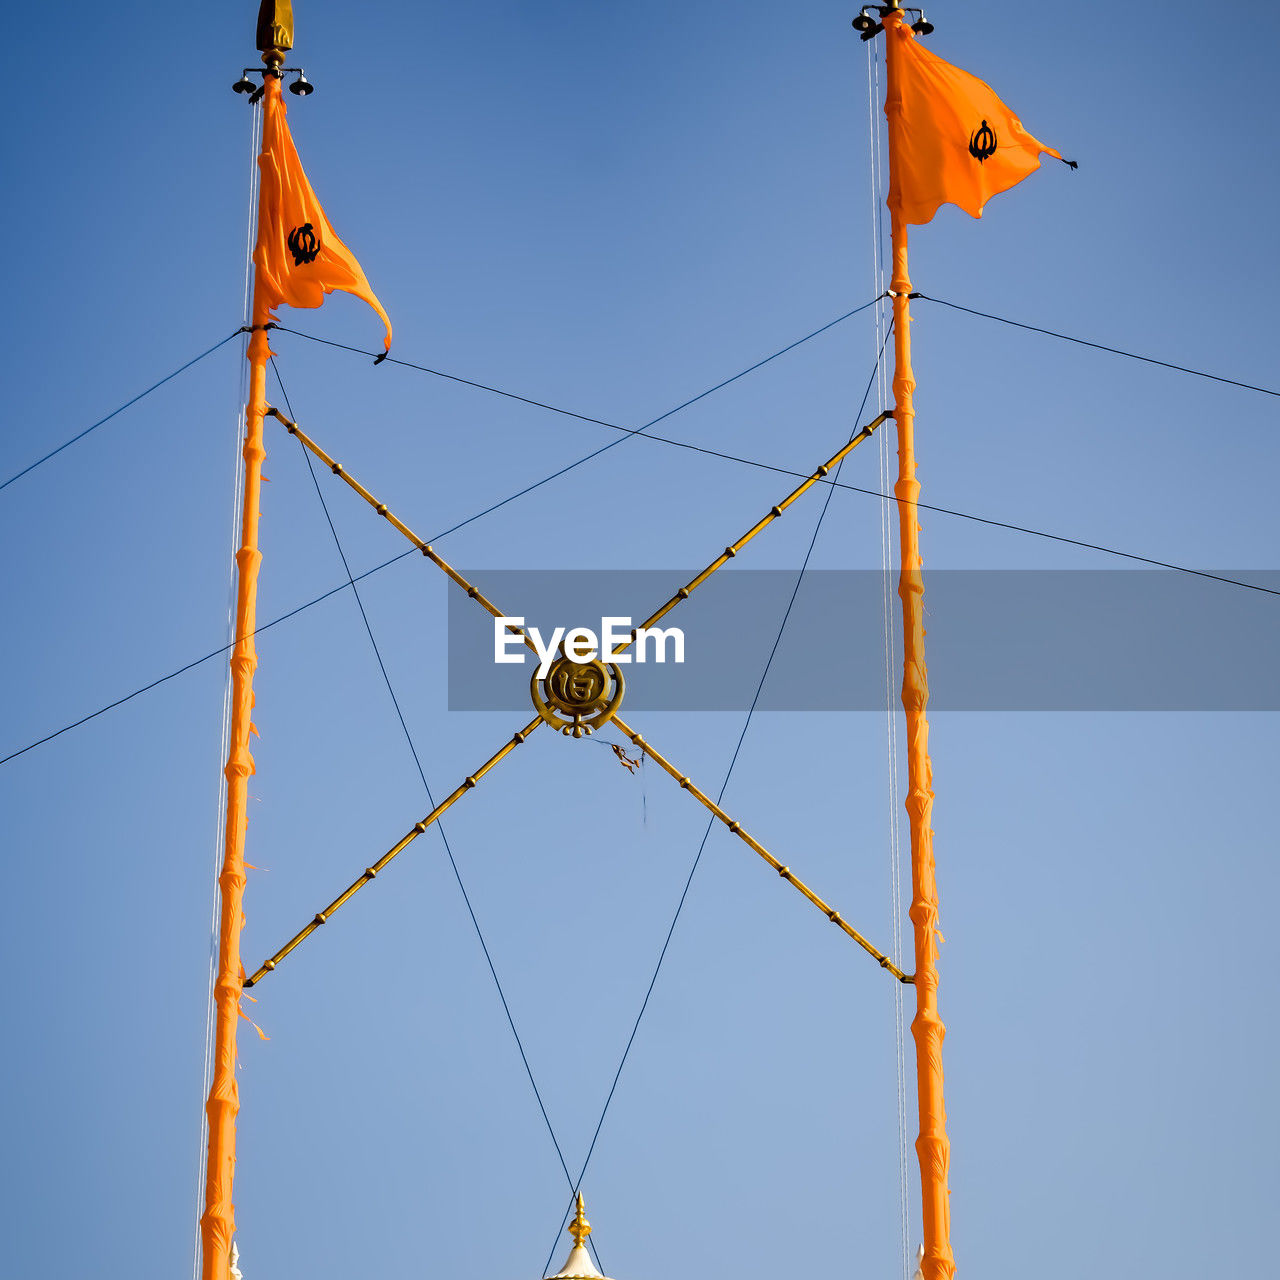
[217, 1224]
[932, 1145]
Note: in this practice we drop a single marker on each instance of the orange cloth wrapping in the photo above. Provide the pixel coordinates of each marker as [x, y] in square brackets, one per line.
[951, 140]
[926, 106]
[932, 1145]
[217, 1225]
[298, 260]
[298, 257]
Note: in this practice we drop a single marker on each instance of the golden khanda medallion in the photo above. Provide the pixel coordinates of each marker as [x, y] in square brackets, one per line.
[578, 697]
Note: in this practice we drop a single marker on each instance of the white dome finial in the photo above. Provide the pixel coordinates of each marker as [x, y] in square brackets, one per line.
[578, 1265]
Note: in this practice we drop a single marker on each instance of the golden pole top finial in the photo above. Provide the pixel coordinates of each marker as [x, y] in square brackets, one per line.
[579, 1228]
[275, 30]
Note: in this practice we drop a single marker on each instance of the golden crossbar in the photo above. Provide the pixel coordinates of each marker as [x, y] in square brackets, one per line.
[396, 523]
[774, 513]
[467, 784]
[470, 781]
[737, 829]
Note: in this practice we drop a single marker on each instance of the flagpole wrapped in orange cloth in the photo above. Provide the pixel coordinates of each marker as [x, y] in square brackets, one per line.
[297, 260]
[298, 257]
[951, 140]
[924, 185]
[217, 1225]
[933, 1148]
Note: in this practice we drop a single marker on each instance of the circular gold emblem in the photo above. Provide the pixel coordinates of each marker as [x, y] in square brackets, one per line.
[578, 697]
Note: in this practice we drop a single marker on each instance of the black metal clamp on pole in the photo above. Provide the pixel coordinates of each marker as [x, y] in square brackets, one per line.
[868, 25]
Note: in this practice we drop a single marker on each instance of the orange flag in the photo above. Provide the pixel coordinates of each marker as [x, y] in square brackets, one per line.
[298, 257]
[951, 140]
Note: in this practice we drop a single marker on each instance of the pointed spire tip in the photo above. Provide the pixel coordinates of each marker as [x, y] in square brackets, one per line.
[579, 1228]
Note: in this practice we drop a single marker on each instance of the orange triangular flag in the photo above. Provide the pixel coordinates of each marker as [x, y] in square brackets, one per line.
[298, 257]
[951, 140]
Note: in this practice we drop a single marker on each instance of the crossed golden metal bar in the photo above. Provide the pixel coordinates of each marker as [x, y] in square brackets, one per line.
[521, 735]
[407, 839]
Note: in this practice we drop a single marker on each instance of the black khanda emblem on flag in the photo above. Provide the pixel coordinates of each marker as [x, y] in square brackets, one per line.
[983, 142]
[304, 244]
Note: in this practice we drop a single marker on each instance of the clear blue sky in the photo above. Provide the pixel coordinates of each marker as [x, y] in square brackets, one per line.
[611, 208]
